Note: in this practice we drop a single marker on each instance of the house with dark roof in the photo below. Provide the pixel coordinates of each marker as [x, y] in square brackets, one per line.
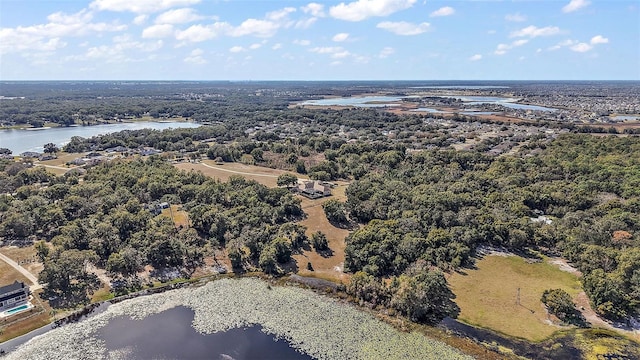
[13, 295]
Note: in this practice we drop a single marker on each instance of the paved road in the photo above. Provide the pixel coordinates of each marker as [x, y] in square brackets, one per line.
[23, 271]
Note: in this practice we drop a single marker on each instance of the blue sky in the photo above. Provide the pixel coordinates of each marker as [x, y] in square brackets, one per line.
[323, 40]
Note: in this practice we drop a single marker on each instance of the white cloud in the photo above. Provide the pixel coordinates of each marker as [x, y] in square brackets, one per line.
[501, 49]
[237, 49]
[519, 42]
[386, 52]
[48, 37]
[578, 46]
[362, 9]
[599, 39]
[335, 63]
[336, 52]
[340, 55]
[534, 31]
[404, 28]
[140, 19]
[302, 42]
[574, 5]
[515, 17]
[259, 28]
[198, 33]
[305, 23]
[276, 46]
[119, 51]
[327, 50]
[158, 31]
[195, 57]
[280, 15]
[314, 9]
[340, 37]
[475, 57]
[140, 6]
[581, 47]
[178, 16]
[562, 44]
[443, 11]
[255, 46]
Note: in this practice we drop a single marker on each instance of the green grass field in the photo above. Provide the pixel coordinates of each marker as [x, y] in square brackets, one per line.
[488, 295]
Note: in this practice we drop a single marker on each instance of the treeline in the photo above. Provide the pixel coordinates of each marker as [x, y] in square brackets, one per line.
[108, 220]
[579, 196]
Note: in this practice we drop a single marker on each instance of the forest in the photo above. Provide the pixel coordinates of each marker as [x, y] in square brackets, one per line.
[417, 206]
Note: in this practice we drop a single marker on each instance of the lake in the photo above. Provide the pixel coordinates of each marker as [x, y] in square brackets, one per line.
[169, 335]
[506, 102]
[383, 101]
[225, 319]
[365, 101]
[21, 140]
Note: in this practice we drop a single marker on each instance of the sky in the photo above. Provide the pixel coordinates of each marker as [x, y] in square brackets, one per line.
[324, 40]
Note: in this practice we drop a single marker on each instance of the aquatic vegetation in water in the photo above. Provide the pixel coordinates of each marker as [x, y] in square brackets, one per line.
[322, 327]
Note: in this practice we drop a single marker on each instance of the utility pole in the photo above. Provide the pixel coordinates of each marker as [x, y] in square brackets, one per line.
[518, 297]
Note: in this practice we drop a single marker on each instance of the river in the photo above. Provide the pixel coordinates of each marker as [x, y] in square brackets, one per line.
[21, 140]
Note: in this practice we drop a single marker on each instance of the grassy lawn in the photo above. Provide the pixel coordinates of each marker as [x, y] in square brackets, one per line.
[487, 296]
[263, 175]
[329, 267]
[179, 216]
[8, 275]
[25, 256]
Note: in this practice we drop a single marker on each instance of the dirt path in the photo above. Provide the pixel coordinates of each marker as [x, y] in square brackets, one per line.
[583, 305]
[238, 172]
[100, 273]
[54, 167]
[23, 271]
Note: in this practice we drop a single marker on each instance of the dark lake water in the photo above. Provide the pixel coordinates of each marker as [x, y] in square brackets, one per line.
[169, 335]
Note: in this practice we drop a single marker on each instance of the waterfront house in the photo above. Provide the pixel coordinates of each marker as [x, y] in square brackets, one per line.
[13, 295]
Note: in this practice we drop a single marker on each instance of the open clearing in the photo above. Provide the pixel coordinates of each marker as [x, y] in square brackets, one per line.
[25, 256]
[488, 295]
[329, 267]
[263, 175]
[179, 216]
[8, 275]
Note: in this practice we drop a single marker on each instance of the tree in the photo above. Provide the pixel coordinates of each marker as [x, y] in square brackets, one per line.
[335, 211]
[5, 151]
[51, 148]
[559, 303]
[287, 180]
[319, 241]
[42, 250]
[368, 288]
[67, 278]
[268, 260]
[424, 297]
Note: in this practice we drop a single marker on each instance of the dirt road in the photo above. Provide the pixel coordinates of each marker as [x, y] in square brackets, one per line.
[23, 271]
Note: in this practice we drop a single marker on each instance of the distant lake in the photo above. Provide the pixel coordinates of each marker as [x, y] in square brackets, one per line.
[169, 335]
[626, 117]
[430, 110]
[506, 102]
[470, 87]
[23, 140]
[382, 101]
[364, 101]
